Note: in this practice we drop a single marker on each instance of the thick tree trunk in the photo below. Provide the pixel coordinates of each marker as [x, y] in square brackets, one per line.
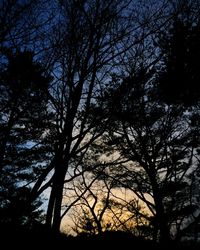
[58, 201]
[161, 221]
[99, 227]
[164, 232]
[53, 218]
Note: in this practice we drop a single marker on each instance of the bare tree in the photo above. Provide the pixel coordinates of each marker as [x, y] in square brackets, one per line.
[91, 208]
[88, 39]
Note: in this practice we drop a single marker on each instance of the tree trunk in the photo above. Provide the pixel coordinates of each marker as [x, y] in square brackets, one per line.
[50, 209]
[99, 227]
[53, 218]
[58, 202]
[161, 221]
[164, 233]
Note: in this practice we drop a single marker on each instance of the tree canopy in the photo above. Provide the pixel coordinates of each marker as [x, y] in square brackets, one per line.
[99, 99]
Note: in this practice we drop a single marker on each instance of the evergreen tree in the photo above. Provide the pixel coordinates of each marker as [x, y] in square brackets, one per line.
[156, 139]
[179, 47]
[23, 120]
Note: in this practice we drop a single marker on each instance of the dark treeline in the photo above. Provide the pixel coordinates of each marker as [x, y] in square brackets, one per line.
[99, 121]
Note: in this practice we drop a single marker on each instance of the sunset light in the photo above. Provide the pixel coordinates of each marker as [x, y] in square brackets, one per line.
[100, 124]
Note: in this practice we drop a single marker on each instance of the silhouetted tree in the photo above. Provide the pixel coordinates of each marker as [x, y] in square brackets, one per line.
[87, 40]
[179, 47]
[48, 133]
[16, 209]
[154, 132]
[94, 198]
[93, 204]
[156, 139]
[179, 80]
[23, 119]
[23, 25]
